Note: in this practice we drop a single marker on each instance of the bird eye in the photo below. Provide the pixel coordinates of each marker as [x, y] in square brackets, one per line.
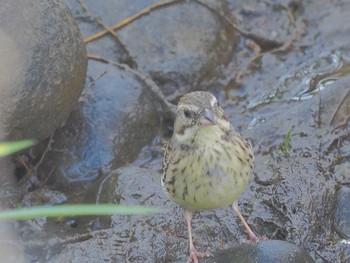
[187, 113]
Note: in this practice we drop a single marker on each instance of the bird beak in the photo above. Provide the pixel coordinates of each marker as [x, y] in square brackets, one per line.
[207, 117]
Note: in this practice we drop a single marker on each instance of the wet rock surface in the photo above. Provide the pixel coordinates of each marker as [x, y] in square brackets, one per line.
[116, 117]
[263, 252]
[181, 46]
[124, 241]
[342, 214]
[296, 197]
[11, 249]
[43, 67]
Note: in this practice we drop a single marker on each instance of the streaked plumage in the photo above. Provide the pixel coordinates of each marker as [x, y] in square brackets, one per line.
[207, 164]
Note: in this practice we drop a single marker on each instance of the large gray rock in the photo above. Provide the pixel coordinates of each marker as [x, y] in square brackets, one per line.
[43, 67]
[181, 45]
[116, 117]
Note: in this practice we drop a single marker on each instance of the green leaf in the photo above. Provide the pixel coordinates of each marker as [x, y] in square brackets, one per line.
[75, 210]
[7, 148]
[287, 140]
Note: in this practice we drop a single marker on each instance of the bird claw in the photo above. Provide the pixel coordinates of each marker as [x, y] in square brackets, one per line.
[194, 255]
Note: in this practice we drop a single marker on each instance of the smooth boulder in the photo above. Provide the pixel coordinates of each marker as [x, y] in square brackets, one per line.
[43, 67]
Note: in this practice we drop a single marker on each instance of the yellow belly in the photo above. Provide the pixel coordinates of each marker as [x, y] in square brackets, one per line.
[209, 178]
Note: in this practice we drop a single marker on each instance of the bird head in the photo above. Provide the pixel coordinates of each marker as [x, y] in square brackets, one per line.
[197, 110]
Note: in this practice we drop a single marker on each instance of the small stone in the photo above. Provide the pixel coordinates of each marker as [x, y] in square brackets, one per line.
[342, 214]
[263, 252]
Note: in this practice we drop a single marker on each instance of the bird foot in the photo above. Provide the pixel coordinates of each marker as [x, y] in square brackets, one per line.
[194, 255]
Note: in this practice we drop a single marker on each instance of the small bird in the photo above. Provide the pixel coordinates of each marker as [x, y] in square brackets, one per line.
[206, 164]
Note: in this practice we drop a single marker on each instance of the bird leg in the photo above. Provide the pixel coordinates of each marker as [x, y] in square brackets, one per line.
[194, 254]
[252, 236]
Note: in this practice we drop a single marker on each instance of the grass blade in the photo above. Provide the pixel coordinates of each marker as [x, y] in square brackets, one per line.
[7, 148]
[74, 210]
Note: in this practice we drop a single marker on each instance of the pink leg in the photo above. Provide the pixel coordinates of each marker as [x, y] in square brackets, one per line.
[194, 254]
[250, 233]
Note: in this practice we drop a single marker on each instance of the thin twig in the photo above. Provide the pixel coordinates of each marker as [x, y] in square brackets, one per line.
[291, 16]
[97, 78]
[42, 183]
[264, 43]
[20, 159]
[168, 109]
[342, 124]
[107, 29]
[102, 59]
[338, 107]
[318, 121]
[30, 171]
[284, 47]
[47, 149]
[131, 19]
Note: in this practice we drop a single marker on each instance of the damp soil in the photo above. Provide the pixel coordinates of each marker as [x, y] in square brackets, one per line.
[281, 71]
